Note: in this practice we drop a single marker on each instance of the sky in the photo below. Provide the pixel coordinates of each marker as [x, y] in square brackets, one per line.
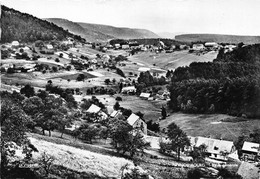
[237, 17]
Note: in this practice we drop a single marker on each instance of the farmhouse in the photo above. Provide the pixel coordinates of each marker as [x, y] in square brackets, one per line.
[211, 44]
[115, 114]
[198, 47]
[117, 46]
[129, 89]
[145, 95]
[250, 151]
[125, 46]
[182, 47]
[49, 47]
[137, 123]
[216, 149]
[97, 110]
[15, 44]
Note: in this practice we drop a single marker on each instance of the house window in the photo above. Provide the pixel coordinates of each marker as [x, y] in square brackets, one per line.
[142, 126]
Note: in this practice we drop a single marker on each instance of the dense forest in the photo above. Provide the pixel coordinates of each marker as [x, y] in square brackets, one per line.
[230, 84]
[27, 28]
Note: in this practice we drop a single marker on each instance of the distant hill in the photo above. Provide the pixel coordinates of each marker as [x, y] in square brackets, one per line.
[27, 28]
[169, 34]
[98, 32]
[120, 32]
[218, 38]
[89, 34]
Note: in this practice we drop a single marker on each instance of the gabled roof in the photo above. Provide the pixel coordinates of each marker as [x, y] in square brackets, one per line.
[214, 145]
[251, 147]
[93, 109]
[145, 95]
[115, 113]
[132, 119]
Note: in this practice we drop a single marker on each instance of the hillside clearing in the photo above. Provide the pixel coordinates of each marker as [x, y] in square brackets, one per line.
[171, 60]
[212, 125]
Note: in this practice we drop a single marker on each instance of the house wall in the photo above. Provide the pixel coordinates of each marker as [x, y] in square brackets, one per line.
[249, 156]
[140, 123]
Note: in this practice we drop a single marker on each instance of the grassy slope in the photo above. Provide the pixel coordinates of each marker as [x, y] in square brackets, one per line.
[171, 60]
[207, 125]
[218, 38]
[81, 160]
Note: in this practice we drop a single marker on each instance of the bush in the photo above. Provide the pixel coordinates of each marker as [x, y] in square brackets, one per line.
[118, 98]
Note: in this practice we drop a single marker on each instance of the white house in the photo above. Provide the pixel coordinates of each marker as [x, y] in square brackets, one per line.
[15, 43]
[216, 149]
[145, 95]
[137, 123]
[97, 110]
[250, 151]
[211, 44]
[125, 46]
[49, 46]
[129, 89]
[117, 46]
[198, 47]
[115, 114]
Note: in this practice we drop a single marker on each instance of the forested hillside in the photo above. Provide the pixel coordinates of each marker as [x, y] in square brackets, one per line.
[27, 28]
[230, 84]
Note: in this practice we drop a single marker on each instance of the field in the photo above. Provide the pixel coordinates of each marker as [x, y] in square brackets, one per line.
[171, 60]
[211, 125]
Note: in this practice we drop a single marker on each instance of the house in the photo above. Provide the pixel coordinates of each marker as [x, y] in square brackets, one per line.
[145, 95]
[215, 148]
[183, 47]
[97, 110]
[137, 123]
[49, 46]
[115, 114]
[125, 46]
[211, 44]
[117, 46]
[198, 47]
[72, 127]
[144, 49]
[250, 151]
[129, 89]
[15, 44]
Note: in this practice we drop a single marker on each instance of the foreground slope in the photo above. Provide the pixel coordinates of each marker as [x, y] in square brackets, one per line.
[218, 38]
[81, 160]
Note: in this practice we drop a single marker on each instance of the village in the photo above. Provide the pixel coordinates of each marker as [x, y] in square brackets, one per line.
[110, 72]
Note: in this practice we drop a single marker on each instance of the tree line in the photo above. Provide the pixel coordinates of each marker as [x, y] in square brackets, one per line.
[230, 84]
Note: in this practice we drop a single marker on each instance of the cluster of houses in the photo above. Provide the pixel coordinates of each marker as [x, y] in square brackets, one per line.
[216, 149]
[213, 46]
[160, 95]
[134, 120]
[223, 150]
